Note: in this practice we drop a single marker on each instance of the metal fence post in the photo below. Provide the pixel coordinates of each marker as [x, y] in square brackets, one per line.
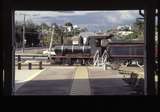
[19, 65]
[19, 58]
[40, 65]
[30, 66]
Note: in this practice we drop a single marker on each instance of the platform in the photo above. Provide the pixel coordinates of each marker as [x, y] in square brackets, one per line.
[76, 80]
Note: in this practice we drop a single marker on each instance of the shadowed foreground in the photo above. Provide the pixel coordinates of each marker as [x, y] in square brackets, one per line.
[69, 82]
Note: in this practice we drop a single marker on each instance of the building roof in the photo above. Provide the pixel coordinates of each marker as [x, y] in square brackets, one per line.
[95, 35]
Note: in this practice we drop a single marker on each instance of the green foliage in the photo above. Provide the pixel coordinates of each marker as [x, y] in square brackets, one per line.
[46, 40]
[69, 24]
[59, 33]
[138, 31]
[131, 36]
[45, 26]
[138, 26]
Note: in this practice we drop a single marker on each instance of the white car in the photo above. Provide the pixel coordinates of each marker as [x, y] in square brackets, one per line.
[47, 52]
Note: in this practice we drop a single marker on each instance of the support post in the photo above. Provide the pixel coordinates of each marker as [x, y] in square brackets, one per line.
[40, 65]
[29, 66]
[19, 65]
[158, 52]
[19, 58]
[9, 48]
[149, 58]
[1, 55]
[2, 65]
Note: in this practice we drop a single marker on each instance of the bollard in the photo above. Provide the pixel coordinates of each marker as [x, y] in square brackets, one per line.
[19, 58]
[104, 66]
[19, 66]
[30, 66]
[40, 65]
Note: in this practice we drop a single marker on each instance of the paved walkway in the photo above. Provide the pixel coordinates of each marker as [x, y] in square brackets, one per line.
[52, 81]
[81, 85]
[25, 75]
[108, 82]
[76, 81]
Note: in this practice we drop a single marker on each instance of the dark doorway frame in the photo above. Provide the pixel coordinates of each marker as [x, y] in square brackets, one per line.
[7, 43]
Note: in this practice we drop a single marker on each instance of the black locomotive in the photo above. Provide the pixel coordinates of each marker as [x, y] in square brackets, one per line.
[81, 53]
[72, 54]
[117, 52]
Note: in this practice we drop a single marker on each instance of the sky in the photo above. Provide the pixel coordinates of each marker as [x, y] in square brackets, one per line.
[92, 20]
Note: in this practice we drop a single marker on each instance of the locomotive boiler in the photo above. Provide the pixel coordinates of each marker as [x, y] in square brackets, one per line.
[69, 49]
[72, 54]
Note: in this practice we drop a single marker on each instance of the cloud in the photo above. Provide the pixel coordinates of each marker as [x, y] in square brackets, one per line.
[91, 19]
[119, 17]
[53, 13]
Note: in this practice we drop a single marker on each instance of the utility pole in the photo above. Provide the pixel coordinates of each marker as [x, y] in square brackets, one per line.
[42, 34]
[24, 25]
[23, 44]
[51, 42]
[61, 35]
[23, 33]
[42, 29]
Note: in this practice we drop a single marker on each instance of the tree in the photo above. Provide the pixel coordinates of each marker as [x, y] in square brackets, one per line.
[69, 24]
[138, 31]
[58, 34]
[138, 28]
[84, 29]
[76, 31]
[18, 35]
[30, 25]
[45, 26]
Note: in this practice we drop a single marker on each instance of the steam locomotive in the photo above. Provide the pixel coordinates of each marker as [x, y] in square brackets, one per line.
[72, 54]
[117, 52]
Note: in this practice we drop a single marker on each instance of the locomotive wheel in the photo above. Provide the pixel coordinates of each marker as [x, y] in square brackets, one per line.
[81, 62]
[71, 62]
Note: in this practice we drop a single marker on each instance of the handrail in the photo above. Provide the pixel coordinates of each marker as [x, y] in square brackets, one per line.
[97, 52]
[141, 66]
[104, 55]
[31, 55]
[105, 59]
[96, 57]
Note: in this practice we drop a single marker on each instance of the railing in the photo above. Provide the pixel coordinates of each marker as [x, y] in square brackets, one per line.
[105, 59]
[96, 58]
[141, 66]
[104, 56]
[20, 57]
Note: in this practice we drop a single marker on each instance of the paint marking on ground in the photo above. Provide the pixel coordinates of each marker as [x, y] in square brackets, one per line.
[81, 85]
[34, 75]
[28, 79]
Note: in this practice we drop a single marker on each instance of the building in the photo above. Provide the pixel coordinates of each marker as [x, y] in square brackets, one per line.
[124, 28]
